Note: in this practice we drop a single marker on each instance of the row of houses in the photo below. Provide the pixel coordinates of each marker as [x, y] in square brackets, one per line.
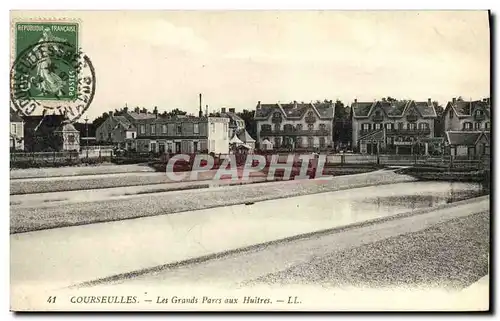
[394, 127]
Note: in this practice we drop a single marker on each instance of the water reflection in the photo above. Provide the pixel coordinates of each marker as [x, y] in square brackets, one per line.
[419, 195]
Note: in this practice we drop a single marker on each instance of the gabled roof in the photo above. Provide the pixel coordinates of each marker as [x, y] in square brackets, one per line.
[295, 110]
[124, 122]
[245, 136]
[394, 109]
[465, 138]
[465, 108]
[66, 127]
[14, 117]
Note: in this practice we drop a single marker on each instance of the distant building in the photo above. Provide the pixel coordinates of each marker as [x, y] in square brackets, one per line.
[400, 127]
[50, 133]
[469, 144]
[236, 123]
[67, 137]
[295, 125]
[119, 130]
[183, 134]
[462, 115]
[16, 131]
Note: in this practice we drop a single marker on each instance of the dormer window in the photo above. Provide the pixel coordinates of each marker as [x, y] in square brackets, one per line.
[451, 113]
[479, 112]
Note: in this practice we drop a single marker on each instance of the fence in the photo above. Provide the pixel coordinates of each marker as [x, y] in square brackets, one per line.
[57, 159]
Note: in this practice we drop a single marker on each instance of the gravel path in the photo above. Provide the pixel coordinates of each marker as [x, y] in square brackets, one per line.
[450, 255]
[44, 217]
[75, 171]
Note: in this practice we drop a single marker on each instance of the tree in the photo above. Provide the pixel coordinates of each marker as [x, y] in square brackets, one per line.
[176, 112]
[248, 117]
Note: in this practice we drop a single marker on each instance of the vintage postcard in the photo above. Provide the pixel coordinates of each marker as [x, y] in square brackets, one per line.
[250, 160]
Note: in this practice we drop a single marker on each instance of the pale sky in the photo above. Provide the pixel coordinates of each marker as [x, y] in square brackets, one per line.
[236, 58]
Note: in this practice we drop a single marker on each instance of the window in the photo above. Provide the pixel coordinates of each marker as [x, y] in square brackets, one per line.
[467, 126]
[13, 128]
[153, 129]
[322, 142]
[479, 112]
[212, 127]
[164, 128]
[423, 126]
[265, 128]
[412, 126]
[277, 142]
[365, 126]
[133, 135]
[388, 126]
[310, 126]
[377, 126]
[451, 113]
[196, 129]
[310, 142]
[401, 125]
[299, 126]
[277, 126]
[477, 126]
[322, 126]
[179, 129]
[486, 125]
[277, 114]
[143, 129]
[71, 138]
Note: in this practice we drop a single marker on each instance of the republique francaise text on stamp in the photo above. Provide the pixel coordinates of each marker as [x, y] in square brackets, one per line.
[50, 73]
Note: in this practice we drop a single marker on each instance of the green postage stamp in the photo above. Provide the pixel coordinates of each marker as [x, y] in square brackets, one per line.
[50, 71]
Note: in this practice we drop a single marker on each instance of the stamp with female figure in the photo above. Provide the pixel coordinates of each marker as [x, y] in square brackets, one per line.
[50, 72]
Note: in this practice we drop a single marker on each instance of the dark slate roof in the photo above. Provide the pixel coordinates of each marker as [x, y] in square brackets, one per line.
[425, 108]
[392, 109]
[295, 110]
[465, 108]
[122, 120]
[14, 117]
[361, 109]
[464, 138]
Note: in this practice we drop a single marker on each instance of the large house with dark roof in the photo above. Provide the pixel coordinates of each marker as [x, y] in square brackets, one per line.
[295, 125]
[119, 130]
[400, 127]
[467, 126]
[462, 115]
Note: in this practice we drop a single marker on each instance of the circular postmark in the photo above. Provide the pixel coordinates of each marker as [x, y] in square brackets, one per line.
[52, 76]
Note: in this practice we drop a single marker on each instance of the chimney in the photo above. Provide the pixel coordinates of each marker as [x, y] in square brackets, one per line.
[125, 109]
[110, 114]
[144, 110]
[137, 109]
[231, 110]
[454, 100]
[355, 100]
[294, 104]
[206, 111]
[155, 111]
[223, 110]
[429, 101]
[258, 104]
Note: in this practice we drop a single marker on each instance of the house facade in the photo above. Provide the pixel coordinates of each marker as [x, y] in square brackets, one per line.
[16, 131]
[399, 127]
[462, 115]
[183, 134]
[118, 130]
[468, 144]
[295, 126]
